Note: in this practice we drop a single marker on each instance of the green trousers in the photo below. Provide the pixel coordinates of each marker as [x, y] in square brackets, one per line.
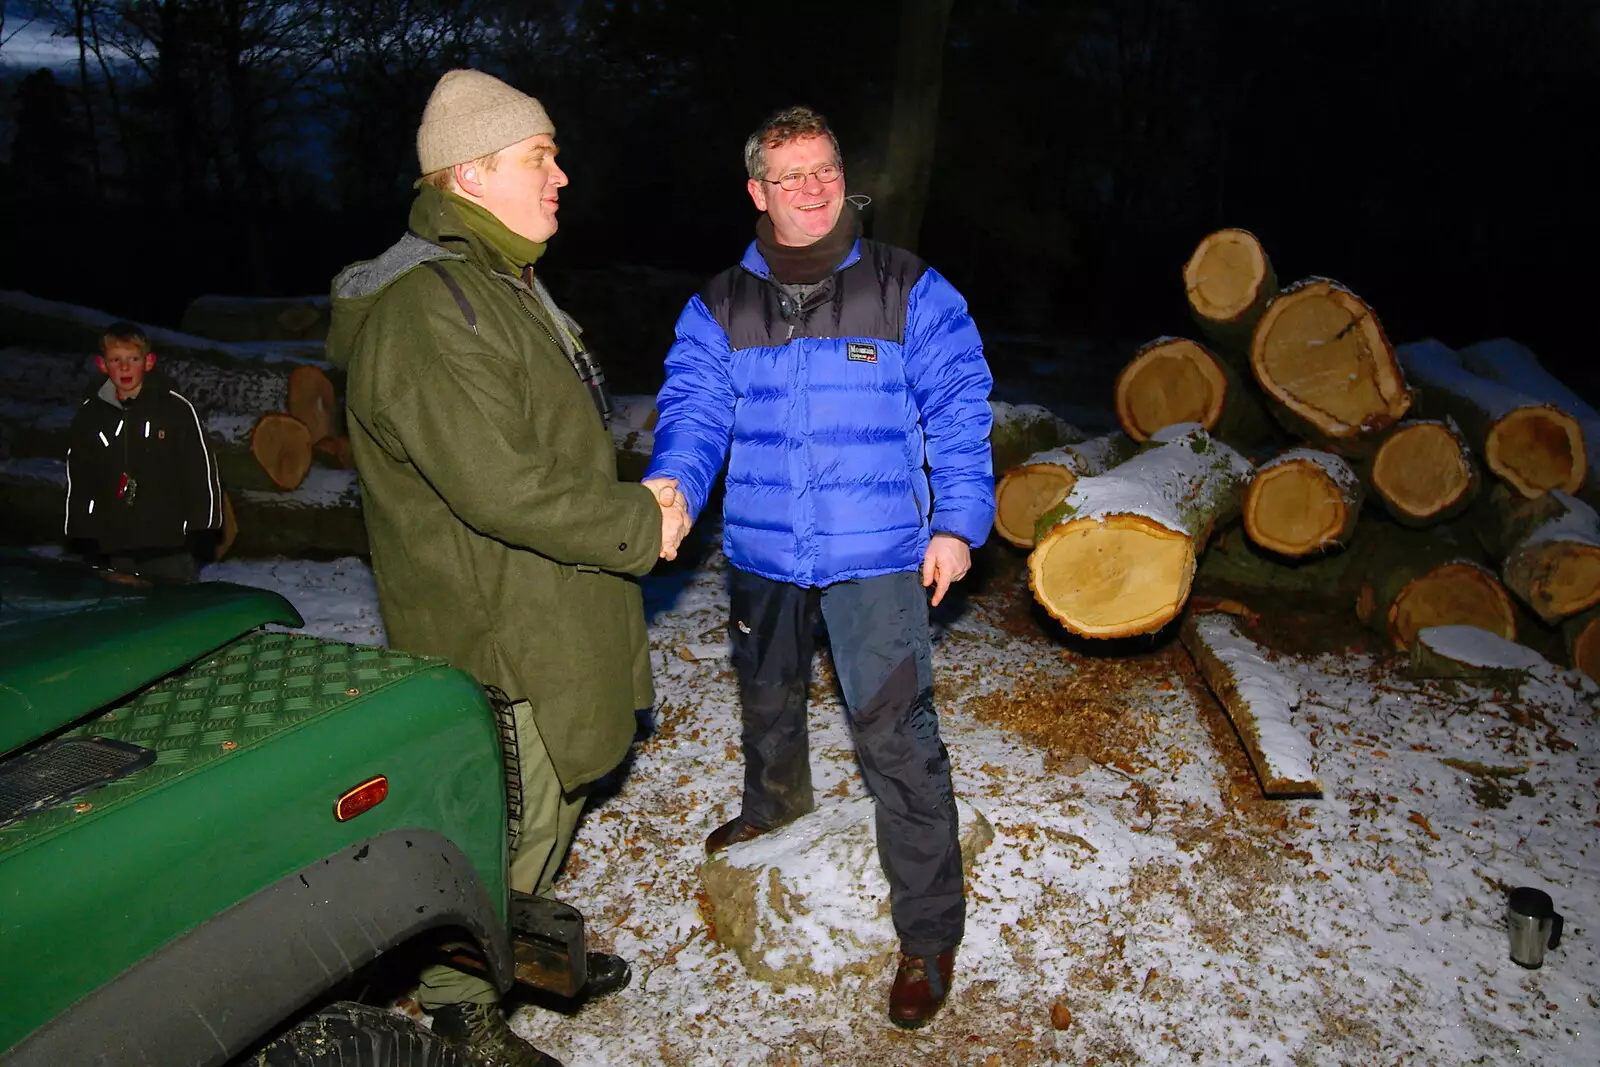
[549, 818]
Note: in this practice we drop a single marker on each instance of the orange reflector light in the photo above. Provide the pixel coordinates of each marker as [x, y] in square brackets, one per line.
[367, 795]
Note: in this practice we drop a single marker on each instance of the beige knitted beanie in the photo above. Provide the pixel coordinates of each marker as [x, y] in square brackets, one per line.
[470, 115]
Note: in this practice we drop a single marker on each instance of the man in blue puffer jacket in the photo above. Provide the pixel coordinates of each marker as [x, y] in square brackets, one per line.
[850, 383]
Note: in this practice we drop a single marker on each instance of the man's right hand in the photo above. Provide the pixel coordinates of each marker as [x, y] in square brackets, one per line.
[675, 522]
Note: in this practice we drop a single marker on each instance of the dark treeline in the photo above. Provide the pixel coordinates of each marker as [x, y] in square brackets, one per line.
[1429, 154]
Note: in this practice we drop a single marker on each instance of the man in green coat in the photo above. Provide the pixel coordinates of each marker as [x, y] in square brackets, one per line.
[501, 537]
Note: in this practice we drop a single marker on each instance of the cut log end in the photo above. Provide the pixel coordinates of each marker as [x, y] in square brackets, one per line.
[1559, 578]
[1321, 352]
[1167, 382]
[1537, 449]
[1225, 276]
[1585, 647]
[1024, 494]
[312, 400]
[334, 451]
[1421, 471]
[1458, 593]
[282, 445]
[1124, 576]
[1296, 509]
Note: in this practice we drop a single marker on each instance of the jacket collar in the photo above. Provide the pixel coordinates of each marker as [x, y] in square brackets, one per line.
[756, 264]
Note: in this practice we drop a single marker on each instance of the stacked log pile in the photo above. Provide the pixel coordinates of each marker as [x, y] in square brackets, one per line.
[1428, 488]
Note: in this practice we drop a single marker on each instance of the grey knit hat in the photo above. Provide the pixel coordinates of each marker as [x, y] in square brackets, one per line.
[470, 115]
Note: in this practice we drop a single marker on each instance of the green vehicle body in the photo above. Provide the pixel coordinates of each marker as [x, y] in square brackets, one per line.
[219, 872]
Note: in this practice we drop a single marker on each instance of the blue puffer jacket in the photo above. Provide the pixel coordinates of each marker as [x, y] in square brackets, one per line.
[836, 412]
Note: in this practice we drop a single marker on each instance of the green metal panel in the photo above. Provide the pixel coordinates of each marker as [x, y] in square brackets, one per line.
[73, 640]
[255, 745]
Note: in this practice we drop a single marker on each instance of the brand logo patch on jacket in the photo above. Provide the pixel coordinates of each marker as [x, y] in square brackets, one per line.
[861, 352]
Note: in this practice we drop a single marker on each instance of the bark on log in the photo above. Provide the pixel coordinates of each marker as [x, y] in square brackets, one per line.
[282, 445]
[1424, 472]
[1471, 653]
[1173, 380]
[1549, 549]
[1329, 372]
[312, 401]
[1418, 579]
[1303, 501]
[1234, 561]
[1229, 282]
[1020, 430]
[1258, 698]
[1582, 635]
[1030, 489]
[1117, 558]
[1535, 447]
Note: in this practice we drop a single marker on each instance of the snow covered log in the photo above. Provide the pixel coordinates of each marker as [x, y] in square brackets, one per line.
[1117, 557]
[1258, 698]
[1511, 364]
[1229, 282]
[1471, 653]
[1582, 635]
[1173, 380]
[1020, 430]
[282, 445]
[321, 519]
[1533, 446]
[1421, 578]
[244, 318]
[1031, 488]
[1549, 549]
[1423, 472]
[1303, 501]
[809, 904]
[1329, 372]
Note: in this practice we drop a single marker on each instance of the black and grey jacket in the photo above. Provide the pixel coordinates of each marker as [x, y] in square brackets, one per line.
[140, 474]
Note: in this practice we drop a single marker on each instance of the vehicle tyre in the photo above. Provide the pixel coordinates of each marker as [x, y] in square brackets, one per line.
[348, 1034]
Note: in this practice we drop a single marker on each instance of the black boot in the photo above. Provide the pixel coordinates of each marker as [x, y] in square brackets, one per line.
[481, 1031]
[607, 973]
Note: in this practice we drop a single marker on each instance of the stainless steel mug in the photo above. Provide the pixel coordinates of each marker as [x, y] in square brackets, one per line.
[1533, 924]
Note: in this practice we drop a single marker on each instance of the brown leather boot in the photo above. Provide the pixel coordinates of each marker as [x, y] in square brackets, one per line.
[921, 984]
[731, 833]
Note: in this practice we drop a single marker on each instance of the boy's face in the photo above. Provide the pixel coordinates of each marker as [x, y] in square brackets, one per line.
[126, 366]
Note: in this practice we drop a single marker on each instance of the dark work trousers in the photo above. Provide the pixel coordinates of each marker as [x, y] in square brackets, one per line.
[878, 629]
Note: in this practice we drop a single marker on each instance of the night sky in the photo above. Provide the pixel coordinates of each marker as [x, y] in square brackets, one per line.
[1432, 156]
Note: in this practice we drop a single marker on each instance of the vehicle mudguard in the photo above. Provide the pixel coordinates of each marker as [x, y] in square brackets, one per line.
[216, 991]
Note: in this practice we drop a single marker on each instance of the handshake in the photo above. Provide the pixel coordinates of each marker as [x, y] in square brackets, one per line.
[674, 514]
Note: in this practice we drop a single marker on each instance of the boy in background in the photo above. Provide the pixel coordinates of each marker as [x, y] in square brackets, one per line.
[141, 480]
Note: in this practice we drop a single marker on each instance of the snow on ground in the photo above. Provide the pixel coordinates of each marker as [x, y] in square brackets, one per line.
[1173, 914]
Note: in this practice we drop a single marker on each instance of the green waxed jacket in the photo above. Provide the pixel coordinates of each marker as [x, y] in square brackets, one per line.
[501, 537]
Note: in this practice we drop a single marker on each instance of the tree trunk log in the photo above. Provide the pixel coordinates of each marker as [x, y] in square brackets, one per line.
[1235, 561]
[1020, 430]
[1229, 282]
[1329, 372]
[1509, 363]
[1471, 653]
[1258, 698]
[1118, 556]
[1302, 502]
[1549, 549]
[282, 445]
[1418, 579]
[1534, 447]
[312, 401]
[1423, 472]
[1030, 489]
[1582, 634]
[1172, 380]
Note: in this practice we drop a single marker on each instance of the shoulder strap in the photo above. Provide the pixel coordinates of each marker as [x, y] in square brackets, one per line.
[455, 290]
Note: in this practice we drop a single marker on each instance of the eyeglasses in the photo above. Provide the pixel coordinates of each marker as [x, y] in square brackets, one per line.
[827, 175]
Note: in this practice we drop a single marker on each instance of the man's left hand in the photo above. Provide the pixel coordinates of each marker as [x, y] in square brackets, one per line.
[947, 560]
